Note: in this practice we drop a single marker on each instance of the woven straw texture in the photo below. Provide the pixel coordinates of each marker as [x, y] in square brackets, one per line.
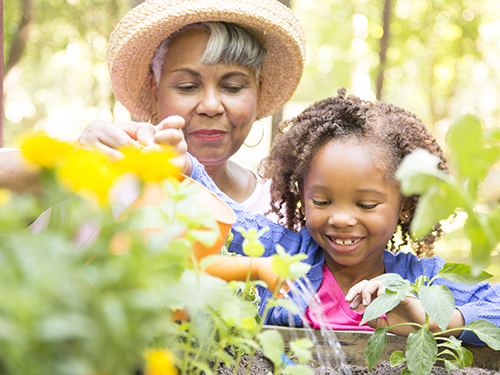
[138, 34]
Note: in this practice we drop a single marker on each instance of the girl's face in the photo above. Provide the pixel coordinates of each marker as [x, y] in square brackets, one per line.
[351, 209]
[218, 102]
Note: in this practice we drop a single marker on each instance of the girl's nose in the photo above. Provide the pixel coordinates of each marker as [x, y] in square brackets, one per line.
[210, 103]
[341, 218]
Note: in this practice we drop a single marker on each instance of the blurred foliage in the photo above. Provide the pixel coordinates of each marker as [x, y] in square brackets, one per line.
[62, 77]
[443, 59]
[443, 56]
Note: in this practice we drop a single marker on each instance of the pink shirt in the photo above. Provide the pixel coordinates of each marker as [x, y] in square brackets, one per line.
[335, 312]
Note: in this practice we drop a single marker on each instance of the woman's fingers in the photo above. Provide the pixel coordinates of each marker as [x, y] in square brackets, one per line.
[108, 138]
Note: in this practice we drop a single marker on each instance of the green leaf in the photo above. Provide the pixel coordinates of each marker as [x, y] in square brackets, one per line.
[382, 304]
[483, 240]
[487, 332]
[421, 351]
[397, 357]
[272, 345]
[206, 237]
[298, 370]
[419, 171]
[297, 270]
[375, 345]
[451, 365]
[471, 157]
[438, 302]
[253, 249]
[461, 273]
[391, 281]
[301, 348]
[436, 204]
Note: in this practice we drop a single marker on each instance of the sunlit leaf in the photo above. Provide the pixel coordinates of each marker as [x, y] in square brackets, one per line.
[421, 351]
[487, 332]
[441, 312]
[419, 171]
[298, 370]
[397, 357]
[438, 203]
[375, 345]
[382, 304]
[472, 158]
[273, 345]
[461, 273]
[302, 349]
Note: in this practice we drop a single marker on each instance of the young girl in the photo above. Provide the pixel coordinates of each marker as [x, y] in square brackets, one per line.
[333, 174]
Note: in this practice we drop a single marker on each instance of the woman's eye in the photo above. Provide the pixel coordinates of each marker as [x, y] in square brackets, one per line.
[232, 88]
[187, 88]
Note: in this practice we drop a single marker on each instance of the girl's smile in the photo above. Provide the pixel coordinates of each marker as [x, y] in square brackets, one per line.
[351, 208]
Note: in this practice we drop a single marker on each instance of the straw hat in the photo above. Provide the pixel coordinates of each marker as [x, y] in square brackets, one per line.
[138, 34]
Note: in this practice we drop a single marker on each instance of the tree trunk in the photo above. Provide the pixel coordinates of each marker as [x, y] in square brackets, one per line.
[21, 38]
[384, 44]
[1, 73]
[277, 117]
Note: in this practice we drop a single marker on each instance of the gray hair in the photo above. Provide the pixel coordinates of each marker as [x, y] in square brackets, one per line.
[228, 43]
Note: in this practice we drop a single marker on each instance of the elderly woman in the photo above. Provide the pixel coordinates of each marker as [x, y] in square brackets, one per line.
[217, 65]
[220, 65]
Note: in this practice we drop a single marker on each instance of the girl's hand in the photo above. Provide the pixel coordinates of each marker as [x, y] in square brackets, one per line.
[410, 310]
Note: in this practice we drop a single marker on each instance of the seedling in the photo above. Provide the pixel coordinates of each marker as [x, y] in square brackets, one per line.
[423, 347]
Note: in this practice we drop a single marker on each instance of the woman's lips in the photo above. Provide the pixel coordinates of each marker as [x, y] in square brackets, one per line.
[209, 135]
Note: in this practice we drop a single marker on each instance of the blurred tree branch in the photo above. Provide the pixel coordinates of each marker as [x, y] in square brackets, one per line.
[384, 44]
[21, 37]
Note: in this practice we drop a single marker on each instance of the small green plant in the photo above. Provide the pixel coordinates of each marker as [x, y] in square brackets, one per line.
[423, 345]
[95, 311]
[472, 152]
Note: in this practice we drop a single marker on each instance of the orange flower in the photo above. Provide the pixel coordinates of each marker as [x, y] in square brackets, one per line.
[88, 171]
[43, 150]
[149, 166]
[160, 362]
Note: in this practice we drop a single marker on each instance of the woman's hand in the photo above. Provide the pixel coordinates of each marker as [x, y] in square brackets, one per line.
[109, 138]
[410, 310]
[169, 132]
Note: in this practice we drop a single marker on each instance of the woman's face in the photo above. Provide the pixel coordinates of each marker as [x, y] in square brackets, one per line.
[218, 102]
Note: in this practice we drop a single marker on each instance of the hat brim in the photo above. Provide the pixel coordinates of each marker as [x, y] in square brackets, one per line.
[136, 37]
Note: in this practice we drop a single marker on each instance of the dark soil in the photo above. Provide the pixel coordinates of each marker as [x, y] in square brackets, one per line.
[262, 366]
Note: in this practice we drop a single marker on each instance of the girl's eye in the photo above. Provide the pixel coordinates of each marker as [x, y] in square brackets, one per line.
[319, 203]
[367, 206]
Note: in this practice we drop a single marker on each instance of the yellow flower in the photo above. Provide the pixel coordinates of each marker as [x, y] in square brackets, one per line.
[149, 166]
[88, 171]
[43, 150]
[160, 362]
[5, 196]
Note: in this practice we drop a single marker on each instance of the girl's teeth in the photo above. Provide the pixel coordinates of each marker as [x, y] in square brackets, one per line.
[347, 242]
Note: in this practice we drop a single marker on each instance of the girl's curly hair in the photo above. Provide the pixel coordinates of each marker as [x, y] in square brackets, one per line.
[394, 131]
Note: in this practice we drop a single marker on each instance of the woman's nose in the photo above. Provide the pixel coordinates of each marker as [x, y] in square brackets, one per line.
[341, 218]
[210, 103]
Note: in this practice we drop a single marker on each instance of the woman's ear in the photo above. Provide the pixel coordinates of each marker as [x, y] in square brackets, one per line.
[407, 210]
